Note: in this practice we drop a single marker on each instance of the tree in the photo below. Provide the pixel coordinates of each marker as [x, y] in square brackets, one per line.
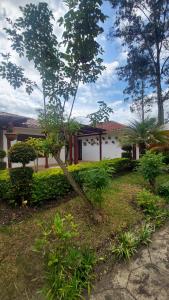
[143, 134]
[135, 73]
[143, 25]
[103, 114]
[61, 72]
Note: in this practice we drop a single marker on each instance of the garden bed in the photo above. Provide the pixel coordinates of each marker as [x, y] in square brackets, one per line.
[22, 270]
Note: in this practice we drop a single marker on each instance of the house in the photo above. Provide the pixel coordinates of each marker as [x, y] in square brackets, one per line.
[101, 145]
[90, 144]
[15, 128]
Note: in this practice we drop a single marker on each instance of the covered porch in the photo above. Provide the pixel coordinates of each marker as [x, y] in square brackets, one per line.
[75, 143]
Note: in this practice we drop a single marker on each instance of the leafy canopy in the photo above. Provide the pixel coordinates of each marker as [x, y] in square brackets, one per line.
[143, 28]
[103, 114]
[63, 64]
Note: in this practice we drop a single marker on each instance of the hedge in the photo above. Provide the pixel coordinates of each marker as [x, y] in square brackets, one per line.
[51, 183]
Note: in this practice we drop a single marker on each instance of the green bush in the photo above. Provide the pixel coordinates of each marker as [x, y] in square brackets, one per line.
[2, 154]
[21, 185]
[2, 165]
[94, 183]
[5, 185]
[68, 268]
[51, 183]
[150, 166]
[163, 190]
[148, 202]
[22, 153]
[127, 151]
[166, 158]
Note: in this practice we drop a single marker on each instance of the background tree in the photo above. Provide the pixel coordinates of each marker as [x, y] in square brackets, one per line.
[103, 114]
[143, 25]
[61, 72]
[136, 74]
[144, 134]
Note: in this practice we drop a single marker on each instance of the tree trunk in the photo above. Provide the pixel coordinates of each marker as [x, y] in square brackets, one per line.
[153, 185]
[142, 102]
[71, 180]
[160, 102]
[159, 90]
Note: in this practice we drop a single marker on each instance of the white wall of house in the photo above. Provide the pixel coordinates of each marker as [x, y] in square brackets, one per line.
[111, 147]
[41, 161]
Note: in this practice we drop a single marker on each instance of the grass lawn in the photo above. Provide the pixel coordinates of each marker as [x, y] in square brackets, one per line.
[21, 269]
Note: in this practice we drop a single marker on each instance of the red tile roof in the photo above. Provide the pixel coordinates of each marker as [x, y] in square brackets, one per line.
[110, 126]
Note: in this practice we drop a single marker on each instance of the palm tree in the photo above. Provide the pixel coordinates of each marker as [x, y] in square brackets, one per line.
[144, 134]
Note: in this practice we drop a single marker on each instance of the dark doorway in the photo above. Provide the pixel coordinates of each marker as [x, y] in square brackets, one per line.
[79, 149]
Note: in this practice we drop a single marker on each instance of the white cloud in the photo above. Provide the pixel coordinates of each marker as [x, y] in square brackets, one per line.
[108, 75]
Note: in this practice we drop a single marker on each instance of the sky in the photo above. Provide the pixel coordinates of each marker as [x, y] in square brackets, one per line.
[108, 88]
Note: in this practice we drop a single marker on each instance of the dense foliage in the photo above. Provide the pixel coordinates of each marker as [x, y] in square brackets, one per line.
[51, 184]
[101, 115]
[2, 163]
[150, 166]
[62, 64]
[94, 182]
[22, 152]
[21, 185]
[2, 154]
[163, 190]
[143, 27]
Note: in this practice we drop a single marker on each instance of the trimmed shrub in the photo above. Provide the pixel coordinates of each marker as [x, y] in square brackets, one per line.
[22, 153]
[21, 185]
[51, 184]
[2, 163]
[2, 154]
[5, 185]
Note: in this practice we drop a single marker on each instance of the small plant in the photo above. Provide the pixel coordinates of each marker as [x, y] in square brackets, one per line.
[148, 202]
[150, 166]
[162, 214]
[144, 234]
[68, 268]
[21, 153]
[94, 183]
[126, 247]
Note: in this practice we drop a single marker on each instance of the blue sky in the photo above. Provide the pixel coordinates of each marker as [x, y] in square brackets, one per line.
[108, 88]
